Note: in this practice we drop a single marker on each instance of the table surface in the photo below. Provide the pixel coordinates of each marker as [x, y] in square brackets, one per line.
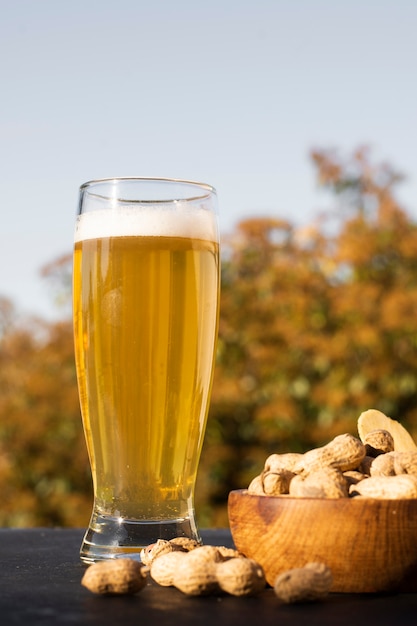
[40, 584]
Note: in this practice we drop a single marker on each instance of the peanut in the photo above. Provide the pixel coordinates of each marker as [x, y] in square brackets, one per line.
[378, 442]
[286, 461]
[304, 584]
[116, 577]
[163, 546]
[402, 486]
[240, 576]
[164, 567]
[227, 553]
[205, 554]
[322, 483]
[383, 465]
[277, 482]
[276, 475]
[151, 552]
[256, 486]
[195, 575]
[184, 543]
[345, 452]
[405, 463]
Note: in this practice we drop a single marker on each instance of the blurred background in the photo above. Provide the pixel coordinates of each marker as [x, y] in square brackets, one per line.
[302, 114]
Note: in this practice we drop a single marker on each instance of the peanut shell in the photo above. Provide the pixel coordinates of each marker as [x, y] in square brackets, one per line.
[117, 577]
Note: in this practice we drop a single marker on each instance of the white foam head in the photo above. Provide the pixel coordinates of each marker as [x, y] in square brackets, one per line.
[149, 221]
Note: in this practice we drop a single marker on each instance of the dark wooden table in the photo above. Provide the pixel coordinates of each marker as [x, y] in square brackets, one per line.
[40, 584]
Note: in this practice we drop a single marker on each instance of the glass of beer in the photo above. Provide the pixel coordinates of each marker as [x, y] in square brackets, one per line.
[146, 306]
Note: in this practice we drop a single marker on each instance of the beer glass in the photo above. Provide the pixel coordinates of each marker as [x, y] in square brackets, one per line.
[146, 302]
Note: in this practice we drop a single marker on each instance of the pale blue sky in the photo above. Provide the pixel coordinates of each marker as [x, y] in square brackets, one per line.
[230, 92]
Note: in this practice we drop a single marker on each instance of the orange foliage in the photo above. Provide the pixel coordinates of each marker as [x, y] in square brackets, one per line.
[44, 473]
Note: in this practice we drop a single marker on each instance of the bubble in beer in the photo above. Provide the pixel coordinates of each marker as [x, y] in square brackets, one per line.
[111, 306]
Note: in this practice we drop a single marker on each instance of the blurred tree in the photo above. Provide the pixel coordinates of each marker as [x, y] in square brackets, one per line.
[44, 473]
[317, 324]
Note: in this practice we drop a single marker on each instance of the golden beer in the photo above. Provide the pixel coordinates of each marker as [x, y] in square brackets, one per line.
[145, 323]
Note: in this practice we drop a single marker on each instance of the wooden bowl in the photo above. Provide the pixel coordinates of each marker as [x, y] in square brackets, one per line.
[370, 545]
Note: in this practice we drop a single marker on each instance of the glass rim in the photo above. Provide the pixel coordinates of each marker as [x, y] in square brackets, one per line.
[208, 189]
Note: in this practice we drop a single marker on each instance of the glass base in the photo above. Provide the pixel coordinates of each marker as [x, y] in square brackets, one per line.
[115, 537]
